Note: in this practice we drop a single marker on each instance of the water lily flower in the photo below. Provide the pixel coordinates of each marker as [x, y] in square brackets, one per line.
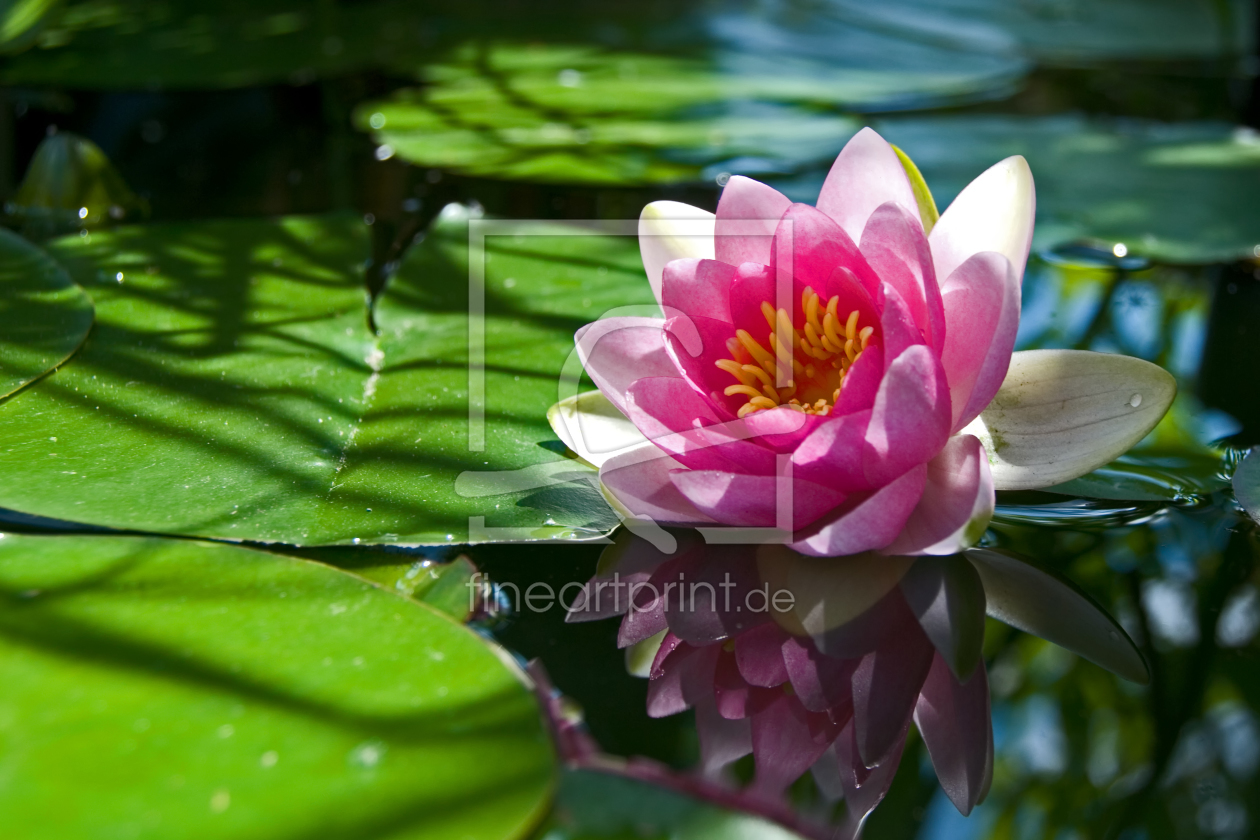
[820, 665]
[844, 372]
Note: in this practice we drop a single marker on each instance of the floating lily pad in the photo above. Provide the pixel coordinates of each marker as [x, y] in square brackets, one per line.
[231, 387]
[1066, 32]
[1176, 193]
[160, 688]
[581, 115]
[132, 44]
[1179, 193]
[44, 315]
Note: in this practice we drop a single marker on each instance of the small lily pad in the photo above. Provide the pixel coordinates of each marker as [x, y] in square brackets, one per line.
[179, 688]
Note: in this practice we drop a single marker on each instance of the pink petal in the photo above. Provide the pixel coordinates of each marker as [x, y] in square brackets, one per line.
[910, 421]
[697, 362]
[862, 382]
[639, 480]
[759, 655]
[782, 430]
[617, 351]
[747, 215]
[956, 505]
[813, 246]
[886, 686]
[957, 729]
[867, 173]
[897, 329]
[754, 500]
[673, 416]
[894, 244]
[699, 288]
[865, 523]
[982, 312]
[832, 454]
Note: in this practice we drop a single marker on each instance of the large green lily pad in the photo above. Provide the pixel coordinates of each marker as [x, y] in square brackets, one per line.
[1181, 193]
[582, 115]
[122, 44]
[44, 315]
[231, 387]
[1067, 32]
[159, 688]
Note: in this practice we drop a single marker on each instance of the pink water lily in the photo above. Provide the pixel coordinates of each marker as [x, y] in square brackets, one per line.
[824, 369]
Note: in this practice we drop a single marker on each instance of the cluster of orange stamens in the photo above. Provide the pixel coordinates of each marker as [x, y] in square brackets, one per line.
[813, 368]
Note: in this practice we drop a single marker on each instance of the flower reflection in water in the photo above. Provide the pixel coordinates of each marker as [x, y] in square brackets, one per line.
[819, 665]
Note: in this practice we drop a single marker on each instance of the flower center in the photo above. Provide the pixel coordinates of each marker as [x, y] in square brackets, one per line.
[814, 367]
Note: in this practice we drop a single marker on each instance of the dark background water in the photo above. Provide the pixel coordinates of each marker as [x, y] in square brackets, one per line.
[203, 119]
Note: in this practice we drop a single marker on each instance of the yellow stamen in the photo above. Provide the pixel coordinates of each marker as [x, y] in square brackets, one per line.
[812, 359]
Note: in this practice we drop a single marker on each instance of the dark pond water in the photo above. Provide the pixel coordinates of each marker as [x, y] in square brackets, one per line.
[1138, 120]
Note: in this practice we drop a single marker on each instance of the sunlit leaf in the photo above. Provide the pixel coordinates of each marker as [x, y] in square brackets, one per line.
[44, 315]
[231, 388]
[176, 688]
[581, 115]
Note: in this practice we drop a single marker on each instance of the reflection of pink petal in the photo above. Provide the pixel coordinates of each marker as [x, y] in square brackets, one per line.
[730, 690]
[759, 655]
[864, 788]
[885, 687]
[820, 681]
[784, 744]
[722, 741]
[957, 728]
[704, 599]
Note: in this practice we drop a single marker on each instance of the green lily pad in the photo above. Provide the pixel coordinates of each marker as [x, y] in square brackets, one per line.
[596, 805]
[1148, 479]
[1247, 484]
[44, 315]
[580, 115]
[1067, 33]
[1180, 193]
[132, 44]
[160, 688]
[231, 387]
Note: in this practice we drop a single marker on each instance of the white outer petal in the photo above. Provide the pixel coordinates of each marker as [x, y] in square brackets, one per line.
[671, 230]
[592, 427]
[993, 213]
[1063, 413]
